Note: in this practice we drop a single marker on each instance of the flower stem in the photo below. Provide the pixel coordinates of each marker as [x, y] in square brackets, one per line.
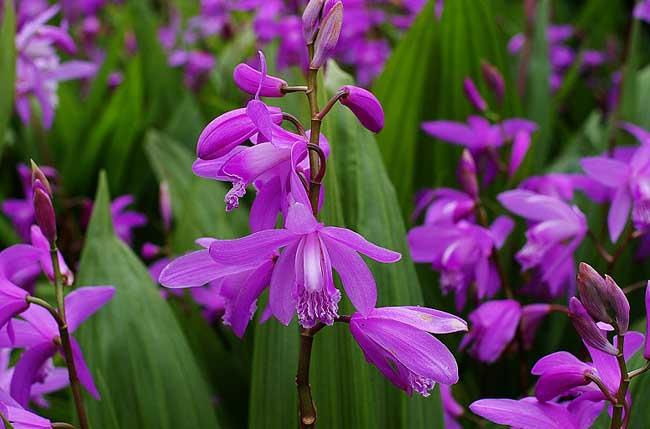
[639, 371]
[75, 386]
[605, 391]
[306, 404]
[620, 405]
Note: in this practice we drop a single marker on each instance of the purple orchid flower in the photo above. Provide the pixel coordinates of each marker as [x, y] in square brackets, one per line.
[302, 277]
[18, 416]
[444, 206]
[529, 413]
[495, 323]
[452, 410]
[38, 334]
[462, 253]
[555, 232]
[38, 68]
[214, 299]
[124, 221]
[43, 245]
[642, 11]
[396, 340]
[630, 183]
[21, 211]
[239, 285]
[51, 380]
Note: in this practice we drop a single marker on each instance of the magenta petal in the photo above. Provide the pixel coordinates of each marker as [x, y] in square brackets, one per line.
[243, 305]
[618, 213]
[248, 80]
[254, 161]
[500, 230]
[85, 377]
[41, 321]
[519, 150]
[84, 302]
[560, 380]
[547, 363]
[24, 335]
[27, 369]
[519, 414]
[646, 350]
[453, 132]
[609, 172]
[195, 269]
[422, 318]
[266, 206]
[356, 242]
[250, 249]
[300, 219]
[283, 284]
[261, 117]
[358, 282]
[19, 262]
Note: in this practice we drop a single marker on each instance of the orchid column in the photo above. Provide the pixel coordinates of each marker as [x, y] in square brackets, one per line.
[249, 147]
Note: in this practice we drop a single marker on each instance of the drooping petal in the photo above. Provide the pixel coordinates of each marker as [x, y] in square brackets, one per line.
[358, 281]
[84, 302]
[85, 377]
[27, 369]
[242, 308]
[250, 249]
[356, 242]
[618, 213]
[559, 380]
[422, 318]
[283, 283]
[266, 206]
[261, 117]
[300, 219]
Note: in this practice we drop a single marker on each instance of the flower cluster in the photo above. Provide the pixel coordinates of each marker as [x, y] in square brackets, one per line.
[249, 148]
[40, 329]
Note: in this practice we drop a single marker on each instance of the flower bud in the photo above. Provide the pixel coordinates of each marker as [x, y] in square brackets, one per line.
[44, 213]
[229, 130]
[149, 250]
[310, 19]
[365, 107]
[587, 329]
[646, 351]
[165, 206]
[328, 35]
[38, 175]
[619, 305]
[474, 97]
[249, 80]
[494, 80]
[467, 174]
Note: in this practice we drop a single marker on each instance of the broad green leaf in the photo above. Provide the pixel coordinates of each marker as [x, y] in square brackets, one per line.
[144, 366]
[7, 67]
[348, 392]
[423, 81]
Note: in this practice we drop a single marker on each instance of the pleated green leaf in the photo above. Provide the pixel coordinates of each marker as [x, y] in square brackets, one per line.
[348, 392]
[423, 81]
[143, 365]
[7, 67]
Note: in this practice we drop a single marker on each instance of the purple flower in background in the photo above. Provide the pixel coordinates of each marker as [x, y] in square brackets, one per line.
[529, 413]
[630, 182]
[232, 287]
[554, 232]
[492, 327]
[21, 211]
[19, 417]
[302, 278]
[52, 379]
[642, 10]
[396, 340]
[462, 253]
[125, 221]
[452, 410]
[443, 206]
[473, 95]
[197, 65]
[38, 67]
[37, 334]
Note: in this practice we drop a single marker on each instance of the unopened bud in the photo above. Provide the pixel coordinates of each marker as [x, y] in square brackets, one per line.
[602, 298]
[149, 250]
[44, 214]
[365, 107]
[328, 35]
[520, 146]
[494, 80]
[467, 174]
[38, 175]
[474, 97]
[310, 18]
[249, 80]
[619, 305]
[587, 329]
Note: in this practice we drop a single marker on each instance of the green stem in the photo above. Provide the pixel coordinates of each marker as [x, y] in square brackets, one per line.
[619, 406]
[639, 371]
[75, 386]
